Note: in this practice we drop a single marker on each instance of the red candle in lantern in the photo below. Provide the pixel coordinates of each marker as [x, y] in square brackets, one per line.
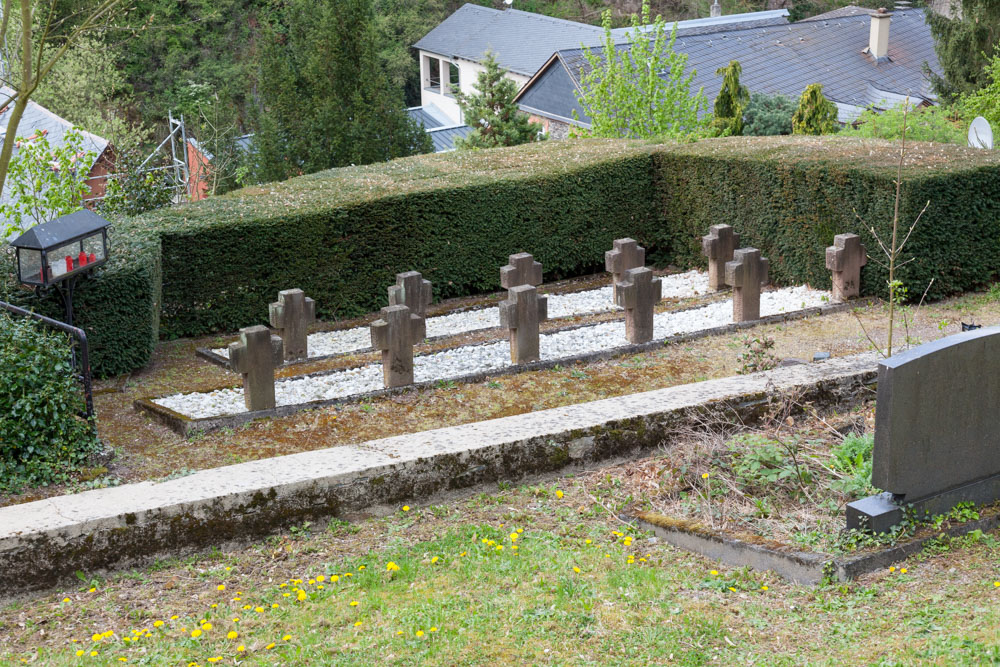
[92, 258]
[82, 259]
[69, 263]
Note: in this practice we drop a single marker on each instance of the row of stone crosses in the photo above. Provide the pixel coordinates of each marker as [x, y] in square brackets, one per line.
[402, 324]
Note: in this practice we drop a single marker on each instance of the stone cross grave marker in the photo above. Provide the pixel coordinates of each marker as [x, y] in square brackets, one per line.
[522, 269]
[638, 294]
[746, 273]
[521, 313]
[845, 258]
[718, 246]
[255, 357]
[627, 254]
[937, 430]
[291, 315]
[395, 333]
[412, 291]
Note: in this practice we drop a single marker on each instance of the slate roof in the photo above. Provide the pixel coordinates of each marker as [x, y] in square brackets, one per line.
[442, 130]
[783, 59]
[37, 117]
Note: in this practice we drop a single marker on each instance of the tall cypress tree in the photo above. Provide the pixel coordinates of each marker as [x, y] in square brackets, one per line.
[325, 98]
[964, 46]
[732, 100]
[816, 114]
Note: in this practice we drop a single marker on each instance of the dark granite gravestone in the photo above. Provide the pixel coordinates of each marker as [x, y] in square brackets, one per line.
[521, 313]
[291, 315]
[937, 429]
[413, 291]
[255, 357]
[395, 333]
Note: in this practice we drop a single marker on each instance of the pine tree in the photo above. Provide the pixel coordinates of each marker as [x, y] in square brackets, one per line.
[326, 100]
[642, 90]
[964, 46]
[732, 101]
[816, 115]
[768, 115]
[492, 114]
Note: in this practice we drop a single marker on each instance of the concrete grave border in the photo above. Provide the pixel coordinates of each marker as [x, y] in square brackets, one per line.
[185, 426]
[45, 542]
[799, 567]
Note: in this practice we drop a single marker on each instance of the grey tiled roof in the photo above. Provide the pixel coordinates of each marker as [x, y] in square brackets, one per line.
[785, 59]
[444, 138]
[429, 116]
[521, 41]
[37, 117]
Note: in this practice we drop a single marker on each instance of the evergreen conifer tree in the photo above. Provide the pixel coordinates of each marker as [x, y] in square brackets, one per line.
[964, 46]
[492, 114]
[732, 100]
[816, 115]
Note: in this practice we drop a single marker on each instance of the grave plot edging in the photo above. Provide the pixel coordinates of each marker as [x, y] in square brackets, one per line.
[186, 426]
[45, 542]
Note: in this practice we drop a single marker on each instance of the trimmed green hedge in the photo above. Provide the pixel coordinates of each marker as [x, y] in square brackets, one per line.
[341, 235]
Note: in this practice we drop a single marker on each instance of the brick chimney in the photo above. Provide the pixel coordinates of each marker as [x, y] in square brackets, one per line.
[878, 36]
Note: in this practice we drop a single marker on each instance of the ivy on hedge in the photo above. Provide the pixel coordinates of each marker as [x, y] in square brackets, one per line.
[42, 436]
[341, 235]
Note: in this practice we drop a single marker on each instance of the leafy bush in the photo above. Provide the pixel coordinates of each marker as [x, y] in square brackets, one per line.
[939, 124]
[985, 101]
[853, 457]
[732, 100]
[42, 436]
[768, 115]
[761, 465]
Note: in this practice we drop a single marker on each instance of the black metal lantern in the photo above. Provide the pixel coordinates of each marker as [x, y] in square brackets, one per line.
[56, 254]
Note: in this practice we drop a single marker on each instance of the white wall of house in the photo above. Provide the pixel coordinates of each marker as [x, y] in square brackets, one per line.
[437, 79]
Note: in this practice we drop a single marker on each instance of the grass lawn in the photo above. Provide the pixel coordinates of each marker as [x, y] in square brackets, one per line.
[538, 574]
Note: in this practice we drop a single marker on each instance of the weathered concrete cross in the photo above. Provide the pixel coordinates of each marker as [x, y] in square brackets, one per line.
[412, 291]
[291, 315]
[638, 294]
[746, 273]
[521, 313]
[255, 357]
[845, 258]
[522, 269]
[627, 254]
[395, 333]
[719, 246]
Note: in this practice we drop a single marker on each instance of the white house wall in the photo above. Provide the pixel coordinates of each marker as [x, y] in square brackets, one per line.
[468, 75]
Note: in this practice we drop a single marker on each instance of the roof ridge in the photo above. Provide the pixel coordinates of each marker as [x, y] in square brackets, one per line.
[555, 19]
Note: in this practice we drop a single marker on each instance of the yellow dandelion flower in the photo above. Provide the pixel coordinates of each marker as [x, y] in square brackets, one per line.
[93, 654]
[996, 584]
[434, 629]
[97, 638]
[763, 588]
[354, 603]
[903, 571]
[513, 537]
[576, 569]
[301, 596]
[434, 560]
[241, 648]
[286, 595]
[174, 617]
[392, 567]
[65, 599]
[704, 475]
[236, 619]
[499, 547]
[217, 658]
[406, 508]
[92, 590]
[462, 554]
[312, 582]
[420, 633]
[334, 578]
[559, 493]
[892, 569]
[220, 587]
[587, 542]
[79, 653]
[247, 607]
[232, 634]
[259, 610]
[286, 638]
[321, 578]
[269, 646]
[361, 567]
[228, 569]
[358, 624]
[196, 633]
[399, 632]
[732, 589]
[215, 606]
[513, 547]
[274, 605]
[520, 530]
[348, 574]
[206, 626]
[714, 573]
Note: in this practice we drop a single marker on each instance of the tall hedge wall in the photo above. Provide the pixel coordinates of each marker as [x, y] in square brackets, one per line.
[341, 235]
[789, 196]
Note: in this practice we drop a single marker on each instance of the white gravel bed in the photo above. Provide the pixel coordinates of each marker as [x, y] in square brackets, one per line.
[484, 358]
[326, 343]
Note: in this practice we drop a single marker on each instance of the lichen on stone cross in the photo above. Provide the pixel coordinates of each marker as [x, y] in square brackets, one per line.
[626, 254]
[522, 269]
[638, 294]
[412, 291]
[291, 315]
[395, 333]
[255, 357]
[521, 314]
[746, 273]
[718, 246]
[845, 258]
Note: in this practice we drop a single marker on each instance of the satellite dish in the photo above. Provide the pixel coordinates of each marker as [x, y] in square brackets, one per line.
[980, 133]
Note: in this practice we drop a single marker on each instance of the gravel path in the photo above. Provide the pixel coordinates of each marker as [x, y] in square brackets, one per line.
[484, 358]
[326, 343]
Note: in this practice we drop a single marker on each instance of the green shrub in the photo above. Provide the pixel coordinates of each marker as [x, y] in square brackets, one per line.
[42, 436]
[939, 124]
[853, 457]
[768, 115]
[815, 114]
